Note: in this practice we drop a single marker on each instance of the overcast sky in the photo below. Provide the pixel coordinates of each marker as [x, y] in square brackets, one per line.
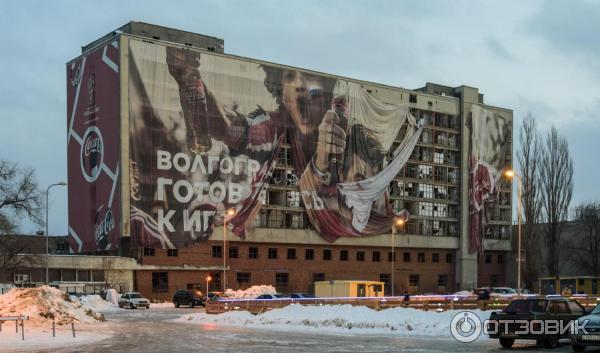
[529, 56]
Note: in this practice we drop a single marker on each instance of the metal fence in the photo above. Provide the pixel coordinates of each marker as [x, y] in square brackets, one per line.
[438, 303]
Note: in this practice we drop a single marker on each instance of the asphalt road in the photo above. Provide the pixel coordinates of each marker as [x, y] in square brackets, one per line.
[150, 331]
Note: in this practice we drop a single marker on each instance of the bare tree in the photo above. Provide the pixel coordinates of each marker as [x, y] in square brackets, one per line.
[528, 157]
[19, 196]
[15, 255]
[586, 249]
[556, 180]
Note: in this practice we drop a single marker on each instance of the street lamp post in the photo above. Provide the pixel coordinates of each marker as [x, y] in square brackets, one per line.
[208, 279]
[230, 212]
[512, 174]
[62, 183]
[400, 223]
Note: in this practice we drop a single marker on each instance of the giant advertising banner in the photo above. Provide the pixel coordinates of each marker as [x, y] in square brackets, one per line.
[490, 143]
[93, 150]
[206, 130]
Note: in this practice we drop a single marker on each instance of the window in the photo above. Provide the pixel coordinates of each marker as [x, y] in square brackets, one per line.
[494, 280]
[391, 255]
[412, 98]
[83, 275]
[327, 254]
[343, 255]
[68, 276]
[421, 257]
[413, 280]
[253, 252]
[160, 282]
[500, 259]
[234, 252]
[360, 256]
[291, 254]
[217, 251]
[215, 284]
[148, 251]
[282, 281]
[435, 257]
[442, 280]
[172, 252]
[97, 275]
[272, 253]
[488, 259]
[406, 257]
[243, 279]
[309, 254]
[54, 275]
[319, 276]
[376, 256]
[559, 307]
[449, 259]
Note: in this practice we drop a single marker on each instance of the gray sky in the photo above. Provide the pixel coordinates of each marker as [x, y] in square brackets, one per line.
[538, 56]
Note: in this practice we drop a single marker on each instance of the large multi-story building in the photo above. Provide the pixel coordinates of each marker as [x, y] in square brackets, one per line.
[154, 112]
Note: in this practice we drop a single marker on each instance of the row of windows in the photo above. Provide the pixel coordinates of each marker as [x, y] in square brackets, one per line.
[152, 252]
[499, 259]
[160, 281]
[327, 254]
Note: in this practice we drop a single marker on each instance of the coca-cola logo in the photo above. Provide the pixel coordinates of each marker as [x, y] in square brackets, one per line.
[105, 225]
[92, 154]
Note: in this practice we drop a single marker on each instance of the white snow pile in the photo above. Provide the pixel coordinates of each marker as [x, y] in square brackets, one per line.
[113, 297]
[251, 292]
[44, 304]
[339, 319]
[96, 303]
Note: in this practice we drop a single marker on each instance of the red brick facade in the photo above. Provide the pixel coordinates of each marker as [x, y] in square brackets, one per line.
[428, 270]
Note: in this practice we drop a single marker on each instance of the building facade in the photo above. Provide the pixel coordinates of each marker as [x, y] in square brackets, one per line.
[448, 189]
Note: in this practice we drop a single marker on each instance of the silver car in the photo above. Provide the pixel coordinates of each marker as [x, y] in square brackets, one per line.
[133, 300]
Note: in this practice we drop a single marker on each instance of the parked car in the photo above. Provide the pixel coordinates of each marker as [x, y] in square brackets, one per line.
[302, 296]
[190, 298]
[591, 337]
[271, 296]
[133, 300]
[213, 296]
[539, 309]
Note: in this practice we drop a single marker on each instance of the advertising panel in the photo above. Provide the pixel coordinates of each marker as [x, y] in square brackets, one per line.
[206, 133]
[93, 150]
[490, 143]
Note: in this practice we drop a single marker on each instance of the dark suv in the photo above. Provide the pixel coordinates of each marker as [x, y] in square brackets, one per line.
[525, 319]
[190, 298]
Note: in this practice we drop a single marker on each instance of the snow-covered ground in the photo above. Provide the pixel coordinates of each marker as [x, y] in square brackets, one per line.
[38, 337]
[339, 319]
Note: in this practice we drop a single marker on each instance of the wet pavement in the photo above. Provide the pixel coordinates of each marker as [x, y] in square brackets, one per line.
[151, 331]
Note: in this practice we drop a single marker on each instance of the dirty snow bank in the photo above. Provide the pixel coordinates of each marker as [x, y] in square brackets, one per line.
[43, 304]
[251, 292]
[339, 319]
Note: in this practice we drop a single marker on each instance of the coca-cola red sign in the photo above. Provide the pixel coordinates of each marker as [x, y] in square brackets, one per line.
[94, 150]
[92, 154]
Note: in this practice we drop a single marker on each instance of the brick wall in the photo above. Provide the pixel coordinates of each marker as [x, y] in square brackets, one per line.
[300, 271]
